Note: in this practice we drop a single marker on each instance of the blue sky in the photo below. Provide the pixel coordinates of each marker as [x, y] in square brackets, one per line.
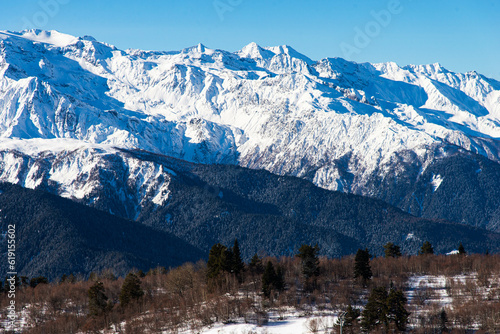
[461, 35]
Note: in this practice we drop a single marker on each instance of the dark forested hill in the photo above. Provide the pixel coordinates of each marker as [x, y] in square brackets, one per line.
[454, 184]
[206, 204]
[56, 236]
[275, 214]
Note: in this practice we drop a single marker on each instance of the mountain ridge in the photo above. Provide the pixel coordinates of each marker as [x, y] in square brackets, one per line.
[200, 205]
[342, 125]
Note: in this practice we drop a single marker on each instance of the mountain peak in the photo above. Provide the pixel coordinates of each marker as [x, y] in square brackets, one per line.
[88, 38]
[251, 47]
[254, 51]
[428, 69]
[288, 50]
[52, 37]
[199, 48]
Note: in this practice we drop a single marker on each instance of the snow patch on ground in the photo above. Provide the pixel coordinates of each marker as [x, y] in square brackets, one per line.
[291, 323]
[437, 284]
[411, 236]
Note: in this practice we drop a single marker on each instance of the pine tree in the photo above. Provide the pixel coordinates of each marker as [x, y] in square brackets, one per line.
[97, 299]
[268, 279]
[376, 310]
[25, 281]
[351, 318]
[71, 278]
[131, 290]
[310, 261]
[396, 302]
[228, 260]
[383, 308]
[217, 260]
[426, 249]
[272, 279]
[279, 281]
[443, 320]
[38, 280]
[392, 250]
[461, 249]
[237, 264]
[362, 267]
[255, 266]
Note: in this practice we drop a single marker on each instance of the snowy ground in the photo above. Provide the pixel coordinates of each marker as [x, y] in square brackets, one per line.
[291, 324]
[431, 288]
[422, 290]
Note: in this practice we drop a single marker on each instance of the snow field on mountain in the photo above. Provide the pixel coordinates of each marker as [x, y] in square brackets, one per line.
[80, 170]
[332, 121]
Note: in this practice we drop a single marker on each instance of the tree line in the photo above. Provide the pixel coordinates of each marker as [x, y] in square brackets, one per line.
[370, 290]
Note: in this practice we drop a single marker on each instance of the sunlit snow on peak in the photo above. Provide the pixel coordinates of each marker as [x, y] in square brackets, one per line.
[261, 107]
[52, 37]
[254, 51]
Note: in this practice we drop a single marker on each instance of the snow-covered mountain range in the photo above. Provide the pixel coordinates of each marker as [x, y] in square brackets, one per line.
[69, 105]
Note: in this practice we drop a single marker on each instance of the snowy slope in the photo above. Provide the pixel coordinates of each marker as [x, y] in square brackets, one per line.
[97, 175]
[332, 121]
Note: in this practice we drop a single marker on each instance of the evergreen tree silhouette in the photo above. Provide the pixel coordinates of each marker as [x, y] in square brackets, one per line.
[392, 250]
[426, 249]
[362, 267]
[131, 290]
[461, 249]
[98, 301]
